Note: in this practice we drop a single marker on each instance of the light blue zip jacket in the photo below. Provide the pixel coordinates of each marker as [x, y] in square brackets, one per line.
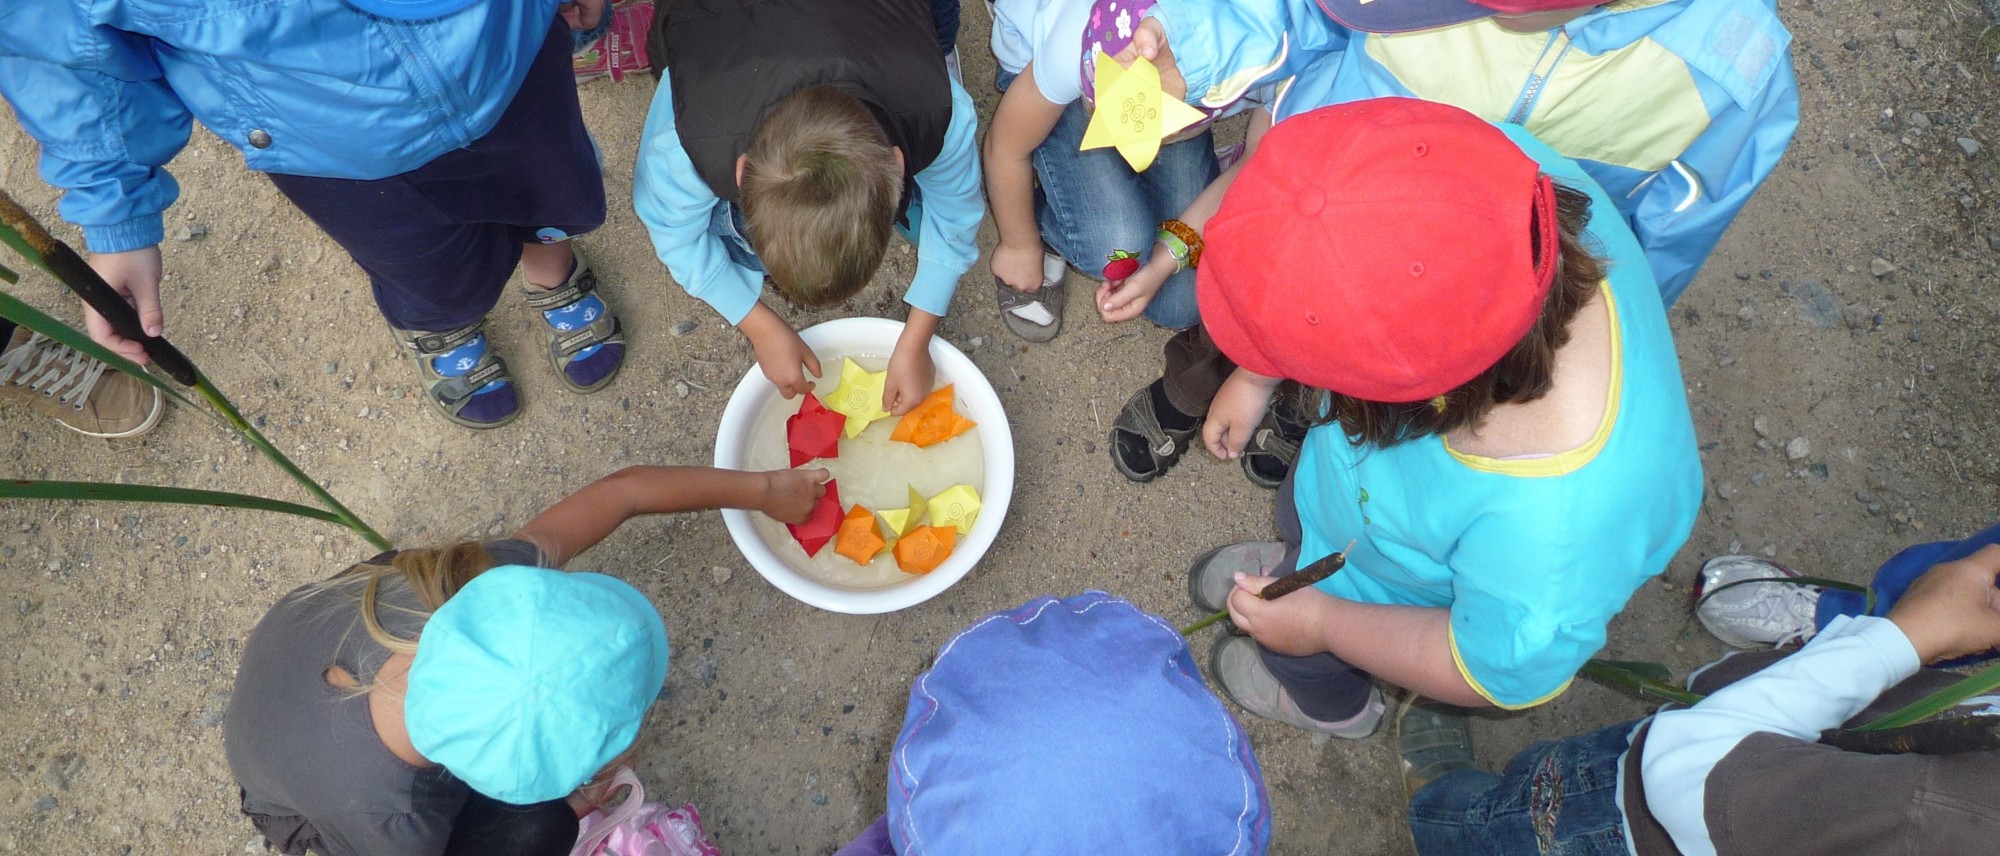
[1678, 109]
[305, 87]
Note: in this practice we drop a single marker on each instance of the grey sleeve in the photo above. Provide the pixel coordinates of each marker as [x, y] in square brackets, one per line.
[515, 551]
[1776, 794]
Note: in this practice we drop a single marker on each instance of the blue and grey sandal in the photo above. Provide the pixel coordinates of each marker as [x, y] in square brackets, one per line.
[462, 377]
[586, 343]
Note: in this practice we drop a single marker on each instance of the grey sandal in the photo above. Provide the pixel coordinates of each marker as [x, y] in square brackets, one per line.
[1434, 741]
[1035, 315]
[1136, 422]
[1269, 455]
[453, 397]
[564, 345]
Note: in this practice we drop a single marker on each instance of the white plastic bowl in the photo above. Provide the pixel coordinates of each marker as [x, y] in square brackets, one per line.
[975, 398]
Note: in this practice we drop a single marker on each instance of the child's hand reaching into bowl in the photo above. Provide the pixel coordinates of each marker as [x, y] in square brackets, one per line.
[789, 495]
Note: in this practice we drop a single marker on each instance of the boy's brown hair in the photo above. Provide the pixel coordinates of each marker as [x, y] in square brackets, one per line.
[1526, 373]
[820, 192]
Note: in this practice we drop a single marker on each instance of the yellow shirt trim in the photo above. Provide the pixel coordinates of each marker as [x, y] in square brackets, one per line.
[1451, 634]
[1564, 463]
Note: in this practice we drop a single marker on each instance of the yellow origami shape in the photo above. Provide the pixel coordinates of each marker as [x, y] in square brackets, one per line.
[899, 520]
[956, 507]
[933, 421]
[1133, 114]
[857, 539]
[858, 397]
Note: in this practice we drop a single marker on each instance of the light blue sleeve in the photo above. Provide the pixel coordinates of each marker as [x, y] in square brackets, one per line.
[953, 204]
[1834, 677]
[675, 204]
[1225, 48]
[107, 121]
[1679, 220]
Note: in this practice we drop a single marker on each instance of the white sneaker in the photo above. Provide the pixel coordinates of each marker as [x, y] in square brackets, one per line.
[1754, 615]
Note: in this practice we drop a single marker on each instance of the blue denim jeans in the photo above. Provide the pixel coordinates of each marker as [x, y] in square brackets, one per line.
[1558, 797]
[725, 222]
[1091, 203]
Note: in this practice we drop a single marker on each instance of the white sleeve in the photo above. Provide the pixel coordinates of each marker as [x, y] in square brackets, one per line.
[1839, 673]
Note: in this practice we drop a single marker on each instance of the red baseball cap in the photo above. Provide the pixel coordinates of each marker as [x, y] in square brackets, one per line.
[1403, 16]
[1379, 249]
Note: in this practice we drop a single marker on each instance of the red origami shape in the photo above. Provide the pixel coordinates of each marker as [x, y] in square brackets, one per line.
[824, 520]
[814, 431]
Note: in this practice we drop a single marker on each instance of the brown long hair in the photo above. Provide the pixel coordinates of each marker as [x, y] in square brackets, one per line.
[820, 190]
[1525, 373]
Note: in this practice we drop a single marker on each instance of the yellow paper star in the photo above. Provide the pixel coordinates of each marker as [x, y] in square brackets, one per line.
[858, 397]
[956, 507]
[1133, 115]
[900, 521]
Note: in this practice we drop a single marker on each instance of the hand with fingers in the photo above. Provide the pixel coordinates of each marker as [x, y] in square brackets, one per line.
[1236, 412]
[135, 275]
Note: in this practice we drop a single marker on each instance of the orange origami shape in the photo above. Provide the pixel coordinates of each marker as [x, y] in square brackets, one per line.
[932, 422]
[858, 539]
[925, 548]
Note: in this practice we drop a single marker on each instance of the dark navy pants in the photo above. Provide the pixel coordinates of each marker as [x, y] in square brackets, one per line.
[440, 242]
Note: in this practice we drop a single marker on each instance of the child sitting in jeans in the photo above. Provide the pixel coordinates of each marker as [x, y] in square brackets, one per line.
[1056, 205]
[774, 147]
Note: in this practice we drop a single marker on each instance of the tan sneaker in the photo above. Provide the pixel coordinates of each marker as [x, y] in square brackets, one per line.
[82, 393]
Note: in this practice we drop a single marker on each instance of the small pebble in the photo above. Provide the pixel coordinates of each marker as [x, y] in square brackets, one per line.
[1770, 551]
[1726, 490]
[45, 804]
[1881, 267]
[1743, 273]
[817, 799]
[681, 388]
[1798, 448]
[1762, 425]
[976, 342]
[1745, 312]
[685, 327]
[1908, 39]
[720, 574]
[1969, 146]
[330, 367]
[1758, 479]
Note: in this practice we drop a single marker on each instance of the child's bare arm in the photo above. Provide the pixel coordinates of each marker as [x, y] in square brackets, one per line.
[784, 358]
[1021, 123]
[911, 372]
[1409, 646]
[580, 520]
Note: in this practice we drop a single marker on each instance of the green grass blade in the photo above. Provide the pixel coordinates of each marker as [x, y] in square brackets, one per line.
[13, 309]
[229, 413]
[1647, 681]
[1978, 683]
[13, 238]
[98, 491]
[9, 275]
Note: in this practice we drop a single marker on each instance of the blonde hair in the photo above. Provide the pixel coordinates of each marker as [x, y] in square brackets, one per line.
[433, 575]
[820, 192]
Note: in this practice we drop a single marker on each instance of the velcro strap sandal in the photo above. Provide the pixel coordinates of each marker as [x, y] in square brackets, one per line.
[1269, 455]
[463, 399]
[1136, 423]
[587, 350]
[1035, 316]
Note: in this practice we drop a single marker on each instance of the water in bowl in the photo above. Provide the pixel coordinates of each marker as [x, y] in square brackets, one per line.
[871, 470]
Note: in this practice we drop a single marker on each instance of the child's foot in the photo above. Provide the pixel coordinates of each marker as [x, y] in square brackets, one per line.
[1149, 435]
[1239, 670]
[586, 343]
[462, 377]
[79, 391]
[1434, 740]
[1213, 576]
[1035, 315]
[1269, 456]
[1754, 614]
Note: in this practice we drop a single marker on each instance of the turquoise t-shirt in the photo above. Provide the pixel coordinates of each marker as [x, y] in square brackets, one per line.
[1533, 556]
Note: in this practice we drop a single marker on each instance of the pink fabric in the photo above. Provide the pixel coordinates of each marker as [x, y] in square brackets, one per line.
[639, 828]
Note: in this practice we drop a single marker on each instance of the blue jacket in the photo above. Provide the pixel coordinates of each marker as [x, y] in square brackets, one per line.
[306, 87]
[1679, 109]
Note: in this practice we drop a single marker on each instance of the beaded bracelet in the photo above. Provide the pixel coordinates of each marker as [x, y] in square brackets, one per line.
[1182, 242]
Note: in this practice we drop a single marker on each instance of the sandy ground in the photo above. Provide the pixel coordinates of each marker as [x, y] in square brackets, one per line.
[123, 624]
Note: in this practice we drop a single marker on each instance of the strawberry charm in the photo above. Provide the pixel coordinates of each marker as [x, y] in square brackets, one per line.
[1123, 264]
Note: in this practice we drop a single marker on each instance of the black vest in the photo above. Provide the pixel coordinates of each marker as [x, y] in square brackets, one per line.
[733, 60]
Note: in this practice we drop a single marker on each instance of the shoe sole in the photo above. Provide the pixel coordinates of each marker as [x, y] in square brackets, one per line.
[1194, 580]
[152, 419]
